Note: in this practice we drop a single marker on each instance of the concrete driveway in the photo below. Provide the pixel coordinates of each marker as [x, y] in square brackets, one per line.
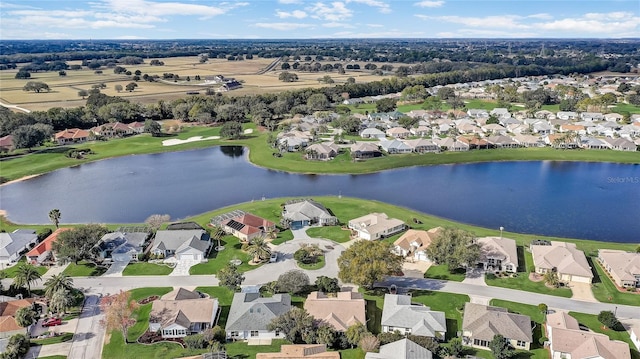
[116, 269]
[582, 291]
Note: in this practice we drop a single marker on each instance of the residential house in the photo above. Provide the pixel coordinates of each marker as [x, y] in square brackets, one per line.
[294, 140]
[591, 116]
[340, 311]
[477, 113]
[6, 143]
[567, 340]
[560, 141]
[113, 129]
[399, 313]
[622, 144]
[137, 127]
[395, 147]
[529, 141]
[191, 244]
[8, 324]
[579, 129]
[634, 335]
[13, 244]
[416, 241]
[375, 226]
[613, 117]
[121, 246]
[322, 151]
[422, 145]
[230, 85]
[372, 132]
[500, 112]
[474, 142]
[563, 258]
[306, 212]
[450, 144]
[623, 267]
[247, 226]
[401, 349]
[421, 130]
[182, 312]
[498, 254]
[480, 323]
[43, 252]
[467, 128]
[542, 128]
[544, 114]
[301, 351]
[70, 136]
[501, 141]
[398, 132]
[250, 314]
[567, 115]
[365, 150]
[595, 143]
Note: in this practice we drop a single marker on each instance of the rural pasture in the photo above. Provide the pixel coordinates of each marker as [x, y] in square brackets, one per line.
[64, 89]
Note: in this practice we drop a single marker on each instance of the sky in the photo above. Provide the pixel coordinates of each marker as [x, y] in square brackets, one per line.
[302, 19]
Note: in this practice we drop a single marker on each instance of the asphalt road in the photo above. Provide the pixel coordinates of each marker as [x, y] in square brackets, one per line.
[89, 336]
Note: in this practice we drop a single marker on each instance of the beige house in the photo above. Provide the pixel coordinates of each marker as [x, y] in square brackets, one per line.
[340, 311]
[498, 254]
[624, 267]
[481, 323]
[8, 324]
[375, 226]
[321, 151]
[415, 241]
[567, 340]
[301, 351]
[182, 312]
[564, 258]
[72, 135]
[398, 132]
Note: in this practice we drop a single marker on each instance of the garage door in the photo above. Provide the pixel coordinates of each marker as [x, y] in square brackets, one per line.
[186, 257]
[580, 279]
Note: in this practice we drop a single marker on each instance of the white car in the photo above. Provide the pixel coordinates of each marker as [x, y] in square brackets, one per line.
[274, 257]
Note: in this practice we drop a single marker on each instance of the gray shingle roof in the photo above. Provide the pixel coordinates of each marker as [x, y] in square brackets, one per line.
[173, 240]
[399, 312]
[401, 349]
[249, 311]
[16, 241]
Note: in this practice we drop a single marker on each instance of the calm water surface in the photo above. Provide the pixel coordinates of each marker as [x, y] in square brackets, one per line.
[582, 200]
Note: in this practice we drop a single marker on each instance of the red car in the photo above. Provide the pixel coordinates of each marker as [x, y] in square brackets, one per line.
[51, 322]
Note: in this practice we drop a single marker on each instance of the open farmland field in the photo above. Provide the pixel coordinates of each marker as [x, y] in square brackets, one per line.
[64, 89]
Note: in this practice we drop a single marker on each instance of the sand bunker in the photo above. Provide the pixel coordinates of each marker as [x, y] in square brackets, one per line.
[175, 141]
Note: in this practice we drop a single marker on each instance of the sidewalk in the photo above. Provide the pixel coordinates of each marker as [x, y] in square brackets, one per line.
[55, 270]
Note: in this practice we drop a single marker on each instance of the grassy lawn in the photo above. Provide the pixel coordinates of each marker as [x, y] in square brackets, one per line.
[141, 293]
[355, 353]
[442, 272]
[11, 271]
[217, 260]
[591, 321]
[84, 269]
[626, 107]
[242, 350]
[604, 290]
[333, 233]
[313, 266]
[143, 268]
[522, 282]
[283, 236]
[64, 337]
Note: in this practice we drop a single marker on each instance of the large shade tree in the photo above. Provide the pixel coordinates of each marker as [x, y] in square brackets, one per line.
[365, 263]
[454, 248]
[77, 244]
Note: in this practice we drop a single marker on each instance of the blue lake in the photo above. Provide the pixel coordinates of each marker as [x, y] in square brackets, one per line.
[598, 201]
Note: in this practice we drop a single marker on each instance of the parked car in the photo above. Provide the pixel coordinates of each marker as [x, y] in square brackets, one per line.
[51, 322]
[274, 257]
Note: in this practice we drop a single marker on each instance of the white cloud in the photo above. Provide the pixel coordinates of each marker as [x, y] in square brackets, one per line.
[337, 11]
[541, 16]
[429, 3]
[383, 34]
[485, 33]
[170, 8]
[382, 6]
[338, 24]
[503, 21]
[282, 26]
[375, 25]
[286, 2]
[298, 14]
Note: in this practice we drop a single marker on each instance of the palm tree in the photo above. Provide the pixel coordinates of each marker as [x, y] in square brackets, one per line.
[56, 283]
[259, 249]
[551, 278]
[54, 216]
[60, 301]
[25, 276]
[25, 316]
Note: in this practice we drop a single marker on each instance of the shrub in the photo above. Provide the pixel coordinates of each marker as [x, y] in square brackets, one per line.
[44, 233]
[195, 341]
[369, 343]
[491, 276]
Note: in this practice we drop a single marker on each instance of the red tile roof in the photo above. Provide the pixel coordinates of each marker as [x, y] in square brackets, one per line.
[47, 244]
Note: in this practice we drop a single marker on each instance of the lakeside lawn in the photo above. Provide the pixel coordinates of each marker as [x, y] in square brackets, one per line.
[143, 268]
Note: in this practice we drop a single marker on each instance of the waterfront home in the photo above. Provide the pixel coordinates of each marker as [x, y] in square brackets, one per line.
[623, 267]
[121, 246]
[501, 141]
[480, 323]
[498, 254]
[43, 253]
[399, 313]
[306, 212]
[416, 241]
[450, 144]
[529, 140]
[401, 349]
[375, 226]
[113, 129]
[422, 145]
[621, 144]
[340, 310]
[71, 136]
[189, 245]
[564, 258]
[301, 351]
[567, 340]
[395, 147]
[362, 150]
[13, 244]
[182, 312]
[247, 226]
[322, 151]
[250, 315]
